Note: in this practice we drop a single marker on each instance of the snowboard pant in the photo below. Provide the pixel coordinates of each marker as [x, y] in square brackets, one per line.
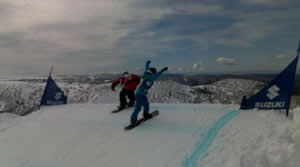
[141, 100]
[123, 101]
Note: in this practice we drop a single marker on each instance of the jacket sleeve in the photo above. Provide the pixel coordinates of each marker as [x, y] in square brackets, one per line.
[146, 69]
[115, 83]
[156, 75]
[136, 78]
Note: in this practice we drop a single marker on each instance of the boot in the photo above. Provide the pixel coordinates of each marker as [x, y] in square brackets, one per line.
[147, 115]
[121, 108]
[133, 122]
[131, 104]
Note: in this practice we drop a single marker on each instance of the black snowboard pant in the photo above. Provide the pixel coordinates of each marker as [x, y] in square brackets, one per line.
[130, 94]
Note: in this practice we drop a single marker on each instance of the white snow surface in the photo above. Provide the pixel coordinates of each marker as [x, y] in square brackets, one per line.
[296, 135]
[183, 135]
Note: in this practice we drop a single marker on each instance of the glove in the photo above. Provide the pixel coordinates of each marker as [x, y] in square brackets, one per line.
[148, 62]
[164, 69]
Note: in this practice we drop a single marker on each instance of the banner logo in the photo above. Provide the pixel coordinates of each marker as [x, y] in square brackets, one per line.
[273, 92]
[58, 96]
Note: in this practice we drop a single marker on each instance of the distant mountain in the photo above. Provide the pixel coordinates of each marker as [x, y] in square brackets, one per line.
[22, 97]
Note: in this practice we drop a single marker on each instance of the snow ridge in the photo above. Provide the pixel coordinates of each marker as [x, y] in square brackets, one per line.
[24, 97]
[203, 146]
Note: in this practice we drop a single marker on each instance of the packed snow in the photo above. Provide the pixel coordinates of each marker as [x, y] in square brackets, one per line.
[296, 134]
[183, 135]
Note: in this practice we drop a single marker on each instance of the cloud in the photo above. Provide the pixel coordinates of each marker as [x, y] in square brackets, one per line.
[90, 36]
[286, 56]
[268, 2]
[226, 61]
[187, 68]
[200, 9]
[197, 67]
[282, 56]
[217, 25]
[242, 32]
[73, 32]
[180, 69]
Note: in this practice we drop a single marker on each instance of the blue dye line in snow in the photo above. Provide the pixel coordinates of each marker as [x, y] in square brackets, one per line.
[207, 141]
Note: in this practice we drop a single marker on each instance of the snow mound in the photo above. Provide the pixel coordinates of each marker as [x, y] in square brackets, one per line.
[227, 91]
[20, 97]
[170, 92]
[258, 139]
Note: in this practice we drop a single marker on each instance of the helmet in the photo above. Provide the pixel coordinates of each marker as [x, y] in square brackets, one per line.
[125, 75]
[151, 70]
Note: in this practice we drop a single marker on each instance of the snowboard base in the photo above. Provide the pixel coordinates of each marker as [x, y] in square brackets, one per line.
[142, 120]
[117, 110]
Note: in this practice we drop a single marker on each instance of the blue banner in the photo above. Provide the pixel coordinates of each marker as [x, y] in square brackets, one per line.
[53, 95]
[277, 94]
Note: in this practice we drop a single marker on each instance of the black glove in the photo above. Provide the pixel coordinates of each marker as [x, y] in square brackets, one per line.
[164, 69]
[148, 62]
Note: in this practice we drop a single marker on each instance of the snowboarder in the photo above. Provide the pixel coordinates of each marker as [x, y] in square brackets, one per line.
[129, 83]
[149, 76]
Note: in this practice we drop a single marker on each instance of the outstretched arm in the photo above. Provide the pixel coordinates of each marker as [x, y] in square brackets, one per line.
[155, 76]
[147, 65]
[115, 83]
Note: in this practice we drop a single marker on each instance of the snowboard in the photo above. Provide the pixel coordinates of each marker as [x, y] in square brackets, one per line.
[141, 120]
[117, 110]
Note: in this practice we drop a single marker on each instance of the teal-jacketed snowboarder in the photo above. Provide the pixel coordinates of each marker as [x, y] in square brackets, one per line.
[149, 76]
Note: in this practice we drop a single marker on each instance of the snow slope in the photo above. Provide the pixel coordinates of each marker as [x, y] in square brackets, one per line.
[183, 135]
[296, 135]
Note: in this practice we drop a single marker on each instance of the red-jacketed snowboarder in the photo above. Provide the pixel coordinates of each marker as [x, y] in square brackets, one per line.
[129, 82]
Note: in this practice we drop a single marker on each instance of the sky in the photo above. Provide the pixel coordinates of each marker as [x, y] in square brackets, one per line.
[188, 36]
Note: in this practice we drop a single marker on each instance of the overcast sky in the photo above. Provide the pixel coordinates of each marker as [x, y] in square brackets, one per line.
[93, 36]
